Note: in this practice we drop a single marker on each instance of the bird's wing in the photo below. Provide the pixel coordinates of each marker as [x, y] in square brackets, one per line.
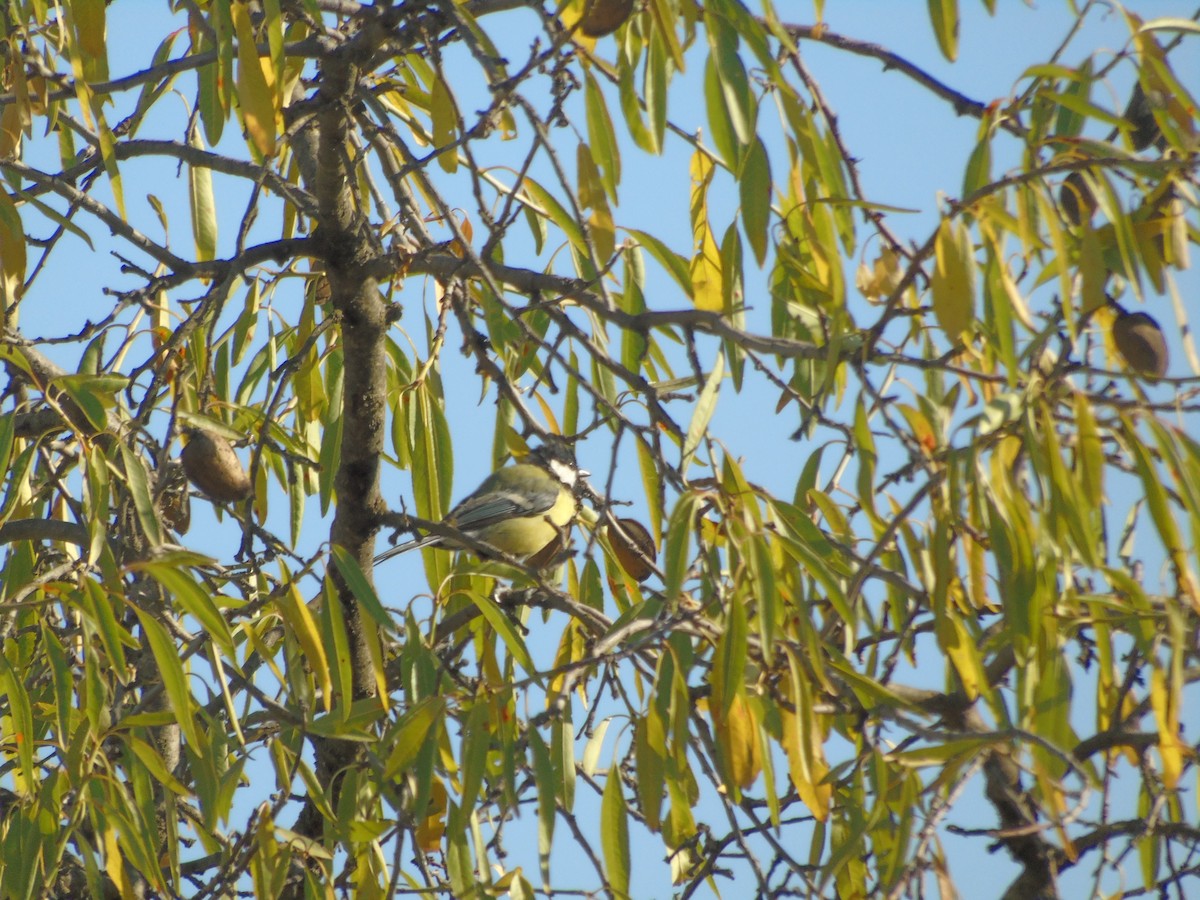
[483, 509]
[478, 513]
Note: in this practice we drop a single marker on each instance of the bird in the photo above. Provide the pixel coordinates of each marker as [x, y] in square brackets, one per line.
[520, 509]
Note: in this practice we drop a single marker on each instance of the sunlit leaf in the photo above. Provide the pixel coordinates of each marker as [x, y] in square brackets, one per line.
[952, 283]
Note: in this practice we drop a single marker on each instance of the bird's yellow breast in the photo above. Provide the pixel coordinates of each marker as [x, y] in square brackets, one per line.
[525, 536]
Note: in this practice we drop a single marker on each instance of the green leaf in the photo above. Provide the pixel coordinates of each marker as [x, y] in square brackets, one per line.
[979, 167]
[944, 16]
[152, 90]
[137, 480]
[20, 726]
[650, 758]
[735, 85]
[652, 484]
[149, 758]
[543, 772]
[631, 107]
[433, 460]
[562, 746]
[203, 205]
[50, 213]
[294, 611]
[337, 644]
[676, 265]
[729, 659]
[676, 559]
[411, 736]
[445, 124]
[545, 204]
[720, 126]
[1070, 119]
[212, 110]
[362, 589]
[655, 89]
[601, 135]
[614, 834]
[754, 186]
[762, 568]
[196, 601]
[477, 739]
[113, 636]
[170, 669]
[706, 272]
[498, 619]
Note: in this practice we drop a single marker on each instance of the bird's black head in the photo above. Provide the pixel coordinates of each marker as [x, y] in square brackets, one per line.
[557, 458]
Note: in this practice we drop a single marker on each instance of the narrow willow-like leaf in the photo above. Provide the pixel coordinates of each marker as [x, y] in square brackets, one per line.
[170, 669]
[755, 190]
[953, 281]
[706, 405]
[256, 93]
[614, 834]
[203, 205]
[944, 16]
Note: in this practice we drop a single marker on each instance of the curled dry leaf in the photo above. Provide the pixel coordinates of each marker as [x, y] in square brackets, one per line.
[633, 547]
[1140, 341]
[213, 467]
[603, 17]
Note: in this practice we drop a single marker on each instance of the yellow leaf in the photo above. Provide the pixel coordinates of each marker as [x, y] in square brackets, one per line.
[879, 280]
[956, 643]
[114, 864]
[10, 130]
[953, 281]
[707, 287]
[802, 744]
[741, 743]
[12, 252]
[431, 829]
[255, 85]
[91, 35]
[592, 196]
[1166, 714]
[299, 618]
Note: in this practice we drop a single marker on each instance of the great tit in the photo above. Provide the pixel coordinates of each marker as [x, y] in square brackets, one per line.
[519, 509]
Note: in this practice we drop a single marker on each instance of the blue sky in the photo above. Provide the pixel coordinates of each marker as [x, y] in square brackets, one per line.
[910, 148]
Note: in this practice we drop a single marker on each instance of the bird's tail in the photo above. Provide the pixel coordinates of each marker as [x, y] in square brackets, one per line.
[405, 547]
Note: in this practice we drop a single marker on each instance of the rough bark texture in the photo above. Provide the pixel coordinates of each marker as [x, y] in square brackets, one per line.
[348, 248]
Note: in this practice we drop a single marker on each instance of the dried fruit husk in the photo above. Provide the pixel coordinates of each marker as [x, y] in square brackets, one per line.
[213, 467]
[602, 17]
[633, 547]
[1077, 200]
[1139, 113]
[1140, 342]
